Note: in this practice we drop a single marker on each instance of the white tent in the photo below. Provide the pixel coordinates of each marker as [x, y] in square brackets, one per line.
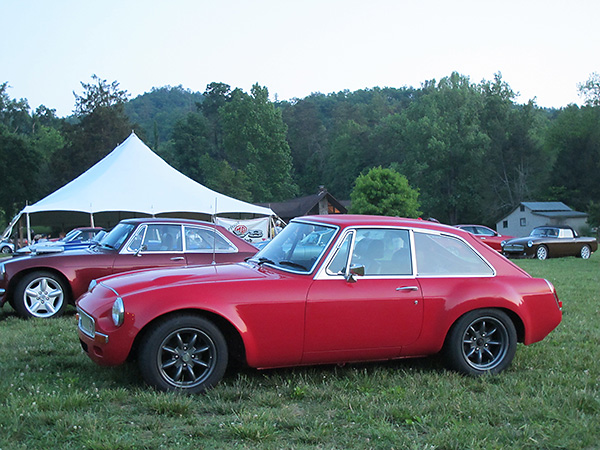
[134, 179]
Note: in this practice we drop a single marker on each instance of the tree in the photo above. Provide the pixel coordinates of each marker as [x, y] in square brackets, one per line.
[384, 192]
[448, 147]
[590, 90]
[101, 127]
[254, 138]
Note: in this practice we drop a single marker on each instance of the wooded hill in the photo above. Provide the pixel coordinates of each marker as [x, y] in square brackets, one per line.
[470, 149]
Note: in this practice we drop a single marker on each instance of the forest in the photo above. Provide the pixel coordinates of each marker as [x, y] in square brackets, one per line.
[469, 150]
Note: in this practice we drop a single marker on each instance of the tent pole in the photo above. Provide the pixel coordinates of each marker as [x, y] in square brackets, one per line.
[92, 220]
[28, 229]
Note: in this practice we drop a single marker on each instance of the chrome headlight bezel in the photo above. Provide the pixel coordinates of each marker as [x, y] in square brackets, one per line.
[118, 312]
[529, 244]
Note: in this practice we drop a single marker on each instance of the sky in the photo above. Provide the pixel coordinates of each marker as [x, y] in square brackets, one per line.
[542, 48]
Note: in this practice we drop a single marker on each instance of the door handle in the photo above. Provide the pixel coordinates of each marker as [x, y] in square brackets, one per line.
[177, 258]
[408, 288]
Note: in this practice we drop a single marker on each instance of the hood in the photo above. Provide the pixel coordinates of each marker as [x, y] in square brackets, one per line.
[524, 240]
[141, 280]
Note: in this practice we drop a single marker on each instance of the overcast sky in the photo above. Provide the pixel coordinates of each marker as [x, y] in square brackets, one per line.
[542, 48]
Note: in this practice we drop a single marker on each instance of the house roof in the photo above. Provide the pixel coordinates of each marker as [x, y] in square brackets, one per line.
[302, 206]
[553, 210]
[546, 206]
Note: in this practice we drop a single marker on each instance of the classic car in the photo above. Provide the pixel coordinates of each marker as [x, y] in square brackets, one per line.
[6, 247]
[377, 288]
[76, 238]
[550, 242]
[41, 285]
[487, 235]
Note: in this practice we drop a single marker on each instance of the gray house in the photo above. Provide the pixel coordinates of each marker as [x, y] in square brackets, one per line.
[529, 215]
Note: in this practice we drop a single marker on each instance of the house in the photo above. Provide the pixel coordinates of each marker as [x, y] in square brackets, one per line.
[529, 215]
[320, 203]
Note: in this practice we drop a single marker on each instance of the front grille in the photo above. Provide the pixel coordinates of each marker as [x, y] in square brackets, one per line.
[86, 323]
[513, 248]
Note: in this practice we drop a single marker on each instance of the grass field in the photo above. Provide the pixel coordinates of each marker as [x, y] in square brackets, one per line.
[52, 396]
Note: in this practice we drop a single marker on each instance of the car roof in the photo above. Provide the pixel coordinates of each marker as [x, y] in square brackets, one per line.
[350, 220]
[139, 220]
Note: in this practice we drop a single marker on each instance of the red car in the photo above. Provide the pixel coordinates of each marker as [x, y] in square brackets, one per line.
[487, 235]
[327, 289]
[41, 285]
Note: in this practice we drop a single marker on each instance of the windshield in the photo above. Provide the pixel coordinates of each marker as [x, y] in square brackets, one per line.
[117, 236]
[297, 248]
[71, 235]
[544, 232]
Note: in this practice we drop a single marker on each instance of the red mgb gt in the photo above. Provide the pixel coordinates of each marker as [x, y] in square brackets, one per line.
[327, 289]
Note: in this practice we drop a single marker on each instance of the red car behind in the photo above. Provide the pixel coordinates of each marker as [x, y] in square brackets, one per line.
[41, 285]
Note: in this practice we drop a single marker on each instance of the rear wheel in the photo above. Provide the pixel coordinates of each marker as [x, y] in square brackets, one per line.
[481, 341]
[541, 252]
[184, 353]
[40, 294]
[585, 252]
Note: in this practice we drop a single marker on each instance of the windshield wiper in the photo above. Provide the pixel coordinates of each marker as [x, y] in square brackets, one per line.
[263, 260]
[293, 264]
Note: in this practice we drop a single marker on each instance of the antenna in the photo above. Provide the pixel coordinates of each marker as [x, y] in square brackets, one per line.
[214, 261]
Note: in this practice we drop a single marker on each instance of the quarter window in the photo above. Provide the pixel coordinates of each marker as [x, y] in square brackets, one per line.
[447, 256]
[203, 240]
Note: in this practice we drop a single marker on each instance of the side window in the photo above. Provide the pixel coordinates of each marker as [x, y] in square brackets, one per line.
[162, 238]
[203, 240]
[447, 256]
[382, 252]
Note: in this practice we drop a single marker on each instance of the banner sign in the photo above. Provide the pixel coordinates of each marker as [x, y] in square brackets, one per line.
[251, 230]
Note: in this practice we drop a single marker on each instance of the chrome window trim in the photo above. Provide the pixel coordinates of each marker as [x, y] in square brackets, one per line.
[322, 273]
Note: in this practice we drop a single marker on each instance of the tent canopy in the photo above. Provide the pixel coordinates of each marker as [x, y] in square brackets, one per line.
[134, 179]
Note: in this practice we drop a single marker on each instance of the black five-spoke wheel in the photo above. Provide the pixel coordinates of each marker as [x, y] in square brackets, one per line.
[481, 341]
[184, 353]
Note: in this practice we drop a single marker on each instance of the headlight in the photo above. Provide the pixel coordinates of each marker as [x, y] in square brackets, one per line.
[92, 285]
[502, 243]
[529, 243]
[118, 312]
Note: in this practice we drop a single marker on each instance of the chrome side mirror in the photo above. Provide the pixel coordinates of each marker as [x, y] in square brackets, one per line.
[139, 251]
[355, 271]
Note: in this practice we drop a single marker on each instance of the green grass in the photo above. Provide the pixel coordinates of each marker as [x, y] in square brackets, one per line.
[52, 396]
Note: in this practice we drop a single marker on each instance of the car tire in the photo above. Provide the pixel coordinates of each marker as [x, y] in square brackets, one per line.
[184, 353]
[40, 294]
[585, 252]
[481, 341]
[541, 252]
[6, 250]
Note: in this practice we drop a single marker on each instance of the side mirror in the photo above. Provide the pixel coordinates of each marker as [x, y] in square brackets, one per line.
[139, 251]
[355, 271]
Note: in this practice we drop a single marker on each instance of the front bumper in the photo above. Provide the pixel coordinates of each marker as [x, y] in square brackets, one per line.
[104, 348]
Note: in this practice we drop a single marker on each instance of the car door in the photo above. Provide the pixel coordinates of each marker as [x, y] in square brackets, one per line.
[152, 245]
[364, 317]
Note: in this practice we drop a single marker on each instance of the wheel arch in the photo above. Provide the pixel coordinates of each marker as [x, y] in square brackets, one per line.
[235, 343]
[513, 316]
[14, 281]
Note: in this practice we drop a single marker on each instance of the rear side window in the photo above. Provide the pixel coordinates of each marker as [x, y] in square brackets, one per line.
[442, 255]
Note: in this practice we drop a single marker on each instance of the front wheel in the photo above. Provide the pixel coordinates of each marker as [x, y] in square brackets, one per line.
[585, 252]
[541, 252]
[184, 353]
[481, 341]
[6, 250]
[40, 294]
